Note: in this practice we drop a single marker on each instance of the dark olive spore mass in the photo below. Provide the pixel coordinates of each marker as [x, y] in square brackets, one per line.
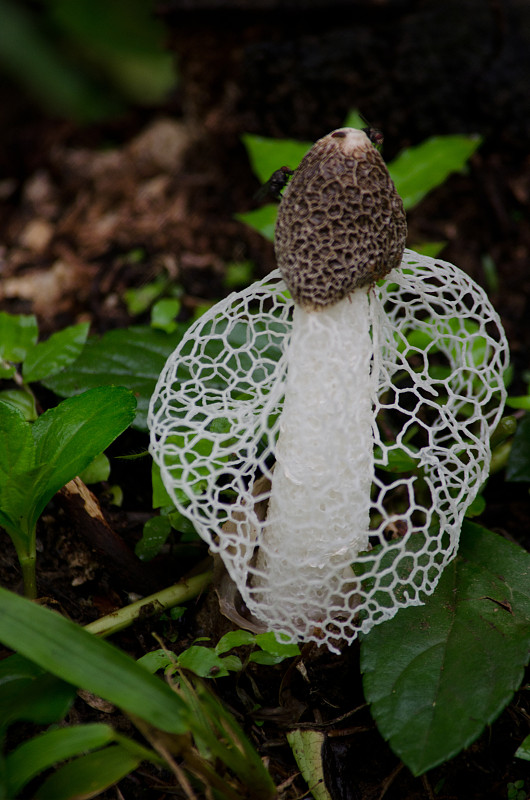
[341, 223]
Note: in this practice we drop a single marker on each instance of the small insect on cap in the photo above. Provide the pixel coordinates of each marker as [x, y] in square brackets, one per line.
[341, 223]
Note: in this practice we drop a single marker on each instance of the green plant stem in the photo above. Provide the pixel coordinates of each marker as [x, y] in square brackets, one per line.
[150, 606]
[27, 564]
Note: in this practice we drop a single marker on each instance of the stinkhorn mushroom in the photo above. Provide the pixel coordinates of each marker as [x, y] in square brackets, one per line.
[326, 441]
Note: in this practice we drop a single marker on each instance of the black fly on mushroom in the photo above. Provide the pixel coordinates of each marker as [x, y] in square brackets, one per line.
[349, 394]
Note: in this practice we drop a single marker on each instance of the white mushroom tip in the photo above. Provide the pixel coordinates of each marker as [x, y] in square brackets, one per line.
[352, 140]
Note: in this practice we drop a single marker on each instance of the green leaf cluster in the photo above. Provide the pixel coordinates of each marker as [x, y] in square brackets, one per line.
[213, 662]
[415, 172]
[455, 661]
[37, 459]
[61, 656]
[132, 357]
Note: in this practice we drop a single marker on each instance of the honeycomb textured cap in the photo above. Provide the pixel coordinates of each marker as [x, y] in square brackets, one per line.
[341, 223]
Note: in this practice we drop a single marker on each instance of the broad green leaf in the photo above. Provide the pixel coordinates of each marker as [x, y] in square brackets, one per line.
[234, 639]
[519, 461]
[436, 674]
[267, 155]
[18, 333]
[16, 444]
[28, 692]
[18, 477]
[431, 249]
[157, 659]
[307, 750]
[47, 749]
[141, 298]
[23, 400]
[154, 535]
[263, 219]
[524, 750]
[49, 357]
[522, 402]
[98, 470]
[76, 656]
[132, 357]
[89, 775]
[69, 436]
[164, 313]
[397, 459]
[237, 274]
[354, 120]
[202, 661]
[477, 507]
[161, 498]
[419, 169]
[273, 650]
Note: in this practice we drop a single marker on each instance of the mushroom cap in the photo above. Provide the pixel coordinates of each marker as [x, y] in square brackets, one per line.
[341, 223]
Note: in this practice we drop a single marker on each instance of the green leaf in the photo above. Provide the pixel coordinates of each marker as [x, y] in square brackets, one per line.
[98, 470]
[27, 692]
[354, 120]
[418, 170]
[157, 659]
[49, 357]
[76, 656]
[69, 436]
[267, 155]
[18, 333]
[524, 750]
[234, 639]
[16, 444]
[163, 314]
[274, 650]
[455, 661]
[202, 661]
[161, 498]
[307, 750]
[132, 357]
[41, 752]
[23, 400]
[518, 468]
[522, 402]
[18, 476]
[154, 535]
[477, 507]
[262, 220]
[140, 299]
[431, 249]
[89, 775]
[237, 274]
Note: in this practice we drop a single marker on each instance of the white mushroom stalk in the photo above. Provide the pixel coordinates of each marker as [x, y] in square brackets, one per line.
[327, 443]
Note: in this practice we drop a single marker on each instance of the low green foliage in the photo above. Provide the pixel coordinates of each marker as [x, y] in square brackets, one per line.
[132, 357]
[523, 751]
[456, 660]
[37, 459]
[73, 655]
[416, 171]
[215, 662]
[113, 756]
